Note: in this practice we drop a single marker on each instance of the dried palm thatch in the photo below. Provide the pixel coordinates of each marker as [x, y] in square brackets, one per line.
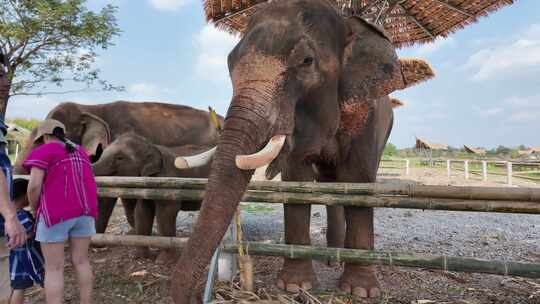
[423, 144]
[406, 21]
[474, 150]
[395, 103]
[415, 71]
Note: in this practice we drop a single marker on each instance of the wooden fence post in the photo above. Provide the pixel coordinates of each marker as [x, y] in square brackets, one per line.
[16, 152]
[509, 173]
[484, 170]
[448, 172]
[406, 167]
[466, 165]
[227, 264]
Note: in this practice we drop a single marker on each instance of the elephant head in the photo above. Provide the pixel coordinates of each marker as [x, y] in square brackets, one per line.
[82, 127]
[299, 72]
[129, 155]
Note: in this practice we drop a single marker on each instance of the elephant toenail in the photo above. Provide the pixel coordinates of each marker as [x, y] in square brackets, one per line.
[294, 288]
[360, 292]
[374, 292]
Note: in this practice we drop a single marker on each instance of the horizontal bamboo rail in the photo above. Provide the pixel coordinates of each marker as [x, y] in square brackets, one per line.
[334, 200]
[431, 191]
[446, 263]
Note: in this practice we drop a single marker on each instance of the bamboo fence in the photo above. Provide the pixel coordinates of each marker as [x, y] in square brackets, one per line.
[372, 189]
[446, 263]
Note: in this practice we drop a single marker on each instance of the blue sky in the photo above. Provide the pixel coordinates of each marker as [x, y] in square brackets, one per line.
[486, 92]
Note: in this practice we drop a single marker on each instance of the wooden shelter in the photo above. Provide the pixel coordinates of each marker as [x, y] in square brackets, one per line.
[477, 151]
[406, 21]
[426, 145]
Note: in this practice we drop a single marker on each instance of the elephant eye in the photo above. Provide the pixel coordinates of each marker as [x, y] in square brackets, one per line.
[308, 60]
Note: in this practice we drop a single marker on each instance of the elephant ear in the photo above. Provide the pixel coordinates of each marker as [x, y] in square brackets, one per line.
[370, 65]
[96, 134]
[370, 70]
[153, 161]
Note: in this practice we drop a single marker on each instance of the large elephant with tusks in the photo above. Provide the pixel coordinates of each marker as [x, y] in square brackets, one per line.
[310, 100]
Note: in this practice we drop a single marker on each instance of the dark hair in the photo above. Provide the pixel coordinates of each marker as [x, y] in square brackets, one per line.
[59, 133]
[20, 186]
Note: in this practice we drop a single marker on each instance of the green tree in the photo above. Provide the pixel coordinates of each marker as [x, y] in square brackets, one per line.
[390, 150]
[27, 123]
[44, 42]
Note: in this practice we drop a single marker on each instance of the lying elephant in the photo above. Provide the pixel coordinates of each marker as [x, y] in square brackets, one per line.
[96, 126]
[133, 155]
[310, 100]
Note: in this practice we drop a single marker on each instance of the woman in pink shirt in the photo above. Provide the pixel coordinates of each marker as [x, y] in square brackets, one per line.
[63, 191]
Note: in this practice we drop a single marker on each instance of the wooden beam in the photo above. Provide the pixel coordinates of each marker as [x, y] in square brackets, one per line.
[455, 8]
[418, 23]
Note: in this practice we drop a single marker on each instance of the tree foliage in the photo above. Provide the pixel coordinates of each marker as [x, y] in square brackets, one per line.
[44, 42]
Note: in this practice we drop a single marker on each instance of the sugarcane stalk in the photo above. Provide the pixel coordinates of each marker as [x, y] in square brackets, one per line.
[447, 263]
[434, 191]
[335, 200]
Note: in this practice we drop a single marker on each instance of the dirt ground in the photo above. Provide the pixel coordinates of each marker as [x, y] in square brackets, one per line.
[120, 278]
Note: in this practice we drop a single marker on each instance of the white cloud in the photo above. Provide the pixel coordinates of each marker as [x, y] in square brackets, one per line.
[214, 46]
[30, 106]
[493, 111]
[143, 91]
[524, 109]
[504, 59]
[432, 47]
[168, 5]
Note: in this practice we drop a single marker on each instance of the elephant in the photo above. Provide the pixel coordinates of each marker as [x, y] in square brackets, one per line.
[96, 126]
[133, 155]
[310, 100]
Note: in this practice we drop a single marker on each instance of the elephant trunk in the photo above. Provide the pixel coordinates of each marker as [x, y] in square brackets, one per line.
[247, 128]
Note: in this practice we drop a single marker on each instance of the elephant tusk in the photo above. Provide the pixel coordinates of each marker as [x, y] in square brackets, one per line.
[199, 160]
[264, 156]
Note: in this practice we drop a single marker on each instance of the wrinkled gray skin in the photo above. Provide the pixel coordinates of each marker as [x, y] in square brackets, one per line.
[133, 155]
[304, 71]
[95, 126]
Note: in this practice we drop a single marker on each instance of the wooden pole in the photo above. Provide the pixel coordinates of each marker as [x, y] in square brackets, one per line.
[381, 201]
[509, 173]
[406, 167]
[16, 152]
[466, 165]
[432, 191]
[448, 169]
[531, 270]
[484, 170]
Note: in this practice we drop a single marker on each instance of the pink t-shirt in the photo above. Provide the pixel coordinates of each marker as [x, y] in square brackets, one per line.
[69, 189]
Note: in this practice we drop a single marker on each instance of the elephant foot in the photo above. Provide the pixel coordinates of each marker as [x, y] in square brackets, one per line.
[360, 281]
[167, 257]
[296, 275]
[141, 253]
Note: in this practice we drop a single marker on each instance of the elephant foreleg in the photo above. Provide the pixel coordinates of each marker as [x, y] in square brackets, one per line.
[357, 279]
[129, 210]
[106, 207]
[297, 273]
[144, 222]
[166, 212]
[335, 222]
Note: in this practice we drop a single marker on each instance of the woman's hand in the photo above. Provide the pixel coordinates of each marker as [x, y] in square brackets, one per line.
[15, 231]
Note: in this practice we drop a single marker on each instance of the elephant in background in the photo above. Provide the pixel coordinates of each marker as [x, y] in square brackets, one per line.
[96, 126]
[134, 155]
[310, 98]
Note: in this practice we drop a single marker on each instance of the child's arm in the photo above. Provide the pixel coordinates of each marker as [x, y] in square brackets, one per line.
[34, 186]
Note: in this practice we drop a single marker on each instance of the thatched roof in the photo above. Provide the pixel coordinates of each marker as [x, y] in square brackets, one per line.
[423, 144]
[474, 150]
[529, 151]
[406, 21]
[396, 103]
[415, 70]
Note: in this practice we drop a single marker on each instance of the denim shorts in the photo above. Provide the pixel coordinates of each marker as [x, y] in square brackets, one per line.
[82, 226]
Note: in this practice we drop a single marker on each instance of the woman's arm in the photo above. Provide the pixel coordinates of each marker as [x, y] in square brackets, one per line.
[14, 229]
[34, 186]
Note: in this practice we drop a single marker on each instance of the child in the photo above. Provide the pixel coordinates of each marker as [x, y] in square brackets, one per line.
[25, 262]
